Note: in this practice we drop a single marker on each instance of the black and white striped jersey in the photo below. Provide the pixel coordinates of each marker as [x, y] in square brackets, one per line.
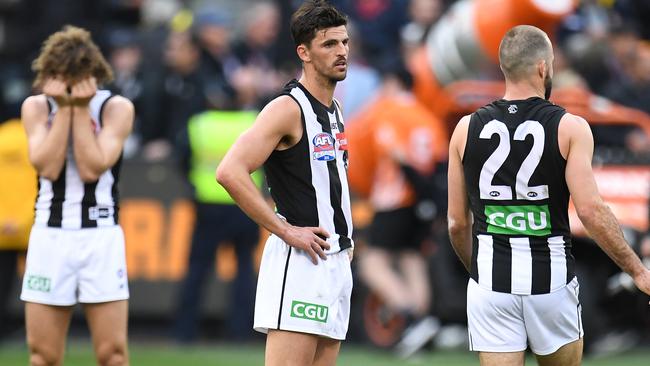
[70, 203]
[308, 181]
[514, 174]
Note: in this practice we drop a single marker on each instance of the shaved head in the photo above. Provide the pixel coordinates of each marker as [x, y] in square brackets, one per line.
[521, 49]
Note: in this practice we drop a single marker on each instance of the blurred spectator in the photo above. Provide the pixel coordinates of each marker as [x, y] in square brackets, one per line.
[125, 56]
[204, 143]
[422, 14]
[361, 82]
[379, 21]
[17, 195]
[250, 69]
[396, 143]
[181, 94]
[211, 28]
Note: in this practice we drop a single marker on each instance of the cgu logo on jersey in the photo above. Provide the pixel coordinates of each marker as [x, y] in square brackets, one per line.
[324, 147]
[528, 220]
[305, 310]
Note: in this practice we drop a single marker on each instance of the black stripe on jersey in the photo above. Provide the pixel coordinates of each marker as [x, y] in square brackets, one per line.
[473, 271]
[284, 282]
[501, 267]
[115, 170]
[336, 192]
[89, 200]
[541, 254]
[58, 196]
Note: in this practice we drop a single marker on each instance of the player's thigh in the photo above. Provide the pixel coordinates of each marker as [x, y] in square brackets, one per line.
[284, 348]
[47, 327]
[501, 358]
[327, 351]
[568, 355]
[108, 325]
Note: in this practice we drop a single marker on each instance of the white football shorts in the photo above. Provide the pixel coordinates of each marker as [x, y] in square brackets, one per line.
[294, 294]
[69, 266]
[502, 322]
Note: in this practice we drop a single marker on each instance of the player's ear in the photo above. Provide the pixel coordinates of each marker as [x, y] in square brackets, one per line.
[303, 53]
[542, 69]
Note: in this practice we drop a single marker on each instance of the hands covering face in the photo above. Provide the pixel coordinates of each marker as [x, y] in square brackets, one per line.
[78, 94]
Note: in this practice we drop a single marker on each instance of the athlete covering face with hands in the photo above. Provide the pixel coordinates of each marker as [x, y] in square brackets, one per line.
[76, 249]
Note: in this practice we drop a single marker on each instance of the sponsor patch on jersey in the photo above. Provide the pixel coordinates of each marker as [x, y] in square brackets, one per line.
[305, 310]
[530, 220]
[100, 212]
[324, 149]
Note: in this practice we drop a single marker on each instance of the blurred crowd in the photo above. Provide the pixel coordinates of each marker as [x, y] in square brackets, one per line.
[178, 58]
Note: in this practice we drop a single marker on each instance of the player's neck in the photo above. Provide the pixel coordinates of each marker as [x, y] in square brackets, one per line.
[322, 90]
[522, 90]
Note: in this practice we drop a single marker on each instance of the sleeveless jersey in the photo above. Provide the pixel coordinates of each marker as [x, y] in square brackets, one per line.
[70, 203]
[514, 174]
[308, 181]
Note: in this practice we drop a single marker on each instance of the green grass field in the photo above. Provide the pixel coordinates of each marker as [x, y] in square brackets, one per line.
[80, 353]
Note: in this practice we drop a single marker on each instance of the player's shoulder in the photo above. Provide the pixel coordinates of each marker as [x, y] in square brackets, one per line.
[282, 107]
[35, 107]
[36, 103]
[118, 106]
[573, 125]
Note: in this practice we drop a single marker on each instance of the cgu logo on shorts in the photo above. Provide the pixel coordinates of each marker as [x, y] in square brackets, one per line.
[38, 283]
[324, 147]
[305, 310]
[518, 220]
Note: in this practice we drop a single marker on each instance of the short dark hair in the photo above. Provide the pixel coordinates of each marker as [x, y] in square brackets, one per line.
[71, 54]
[521, 48]
[312, 16]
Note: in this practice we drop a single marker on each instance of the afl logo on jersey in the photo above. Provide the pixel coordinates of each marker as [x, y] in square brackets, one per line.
[324, 149]
[512, 109]
[495, 194]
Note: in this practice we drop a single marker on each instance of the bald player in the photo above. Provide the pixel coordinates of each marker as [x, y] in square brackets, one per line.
[514, 164]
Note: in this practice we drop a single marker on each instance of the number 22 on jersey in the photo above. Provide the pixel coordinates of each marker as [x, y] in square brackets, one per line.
[492, 165]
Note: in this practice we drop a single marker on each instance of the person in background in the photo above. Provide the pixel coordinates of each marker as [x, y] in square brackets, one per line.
[395, 144]
[17, 194]
[201, 147]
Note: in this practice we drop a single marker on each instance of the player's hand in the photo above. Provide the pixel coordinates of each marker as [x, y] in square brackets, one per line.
[83, 92]
[642, 281]
[309, 239]
[58, 90]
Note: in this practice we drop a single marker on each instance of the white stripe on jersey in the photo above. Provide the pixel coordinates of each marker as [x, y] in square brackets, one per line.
[558, 262]
[104, 196]
[484, 260]
[74, 192]
[43, 202]
[522, 266]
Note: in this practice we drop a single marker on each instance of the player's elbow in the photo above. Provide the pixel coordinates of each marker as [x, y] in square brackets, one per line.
[88, 175]
[588, 212]
[457, 226]
[224, 175]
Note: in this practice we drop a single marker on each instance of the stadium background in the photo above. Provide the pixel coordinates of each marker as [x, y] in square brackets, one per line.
[602, 49]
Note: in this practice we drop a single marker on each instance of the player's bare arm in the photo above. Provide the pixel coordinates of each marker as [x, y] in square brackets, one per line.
[47, 144]
[96, 153]
[277, 127]
[458, 215]
[577, 145]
